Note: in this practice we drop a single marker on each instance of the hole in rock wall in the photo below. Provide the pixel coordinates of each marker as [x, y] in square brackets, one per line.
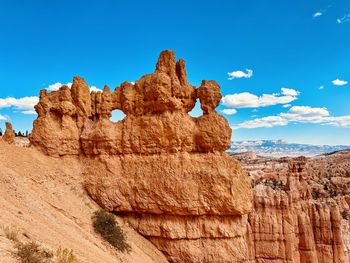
[196, 111]
[117, 115]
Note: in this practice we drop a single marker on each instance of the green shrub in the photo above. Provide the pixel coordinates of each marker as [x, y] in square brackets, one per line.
[105, 225]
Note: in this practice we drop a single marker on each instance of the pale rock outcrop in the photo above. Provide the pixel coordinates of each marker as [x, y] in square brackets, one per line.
[163, 170]
[9, 135]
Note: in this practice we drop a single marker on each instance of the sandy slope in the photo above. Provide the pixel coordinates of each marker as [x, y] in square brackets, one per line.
[43, 197]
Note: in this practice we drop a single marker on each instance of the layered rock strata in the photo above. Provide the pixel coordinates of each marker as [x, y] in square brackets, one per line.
[301, 210]
[163, 170]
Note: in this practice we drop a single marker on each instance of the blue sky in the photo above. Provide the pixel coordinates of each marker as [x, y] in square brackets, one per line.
[295, 45]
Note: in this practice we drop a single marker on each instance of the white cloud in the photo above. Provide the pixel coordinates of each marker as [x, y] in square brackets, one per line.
[95, 89]
[286, 105]
[2, 118]
[57, 85]
[344, 19]
[290, 92]
[340, 121]
[298, 114]
[308, 111]
[265, 122]
[317, 14]
[321, 87]
[29, 112]
[339, 82]
[305, 114]
[249, 100]
[240, 74]
[25, 103]
[229, 111]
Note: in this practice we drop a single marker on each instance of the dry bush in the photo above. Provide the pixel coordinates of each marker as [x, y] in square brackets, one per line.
[105, 225]
[65, 255]
[32, 253]
[10, 232]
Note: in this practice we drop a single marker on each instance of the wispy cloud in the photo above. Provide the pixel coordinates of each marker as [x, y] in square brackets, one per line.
[317, 14]
[265, 122]
[2, 118]
[321, 87]
[249, 100]
[286, 105]
[240, 74]
[339, 82]
[229, 111]
[57, 85]
[321, 12]
[298, 114]
[344, 19]
[29, 112]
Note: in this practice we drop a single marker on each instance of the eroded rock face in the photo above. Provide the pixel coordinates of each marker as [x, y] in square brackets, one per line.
[9, 135]
[163, 170]
[301, 210]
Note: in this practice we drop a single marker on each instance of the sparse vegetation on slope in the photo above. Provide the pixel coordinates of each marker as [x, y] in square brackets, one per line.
[105, 225]
[65, 255]
[10, 232]
[31, 252]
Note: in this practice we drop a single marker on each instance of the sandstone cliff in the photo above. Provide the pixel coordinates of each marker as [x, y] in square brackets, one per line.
[164, 171]
[301, 210]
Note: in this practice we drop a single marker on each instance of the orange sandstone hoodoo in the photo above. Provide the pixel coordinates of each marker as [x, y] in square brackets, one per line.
[168, 175]
[164, 171]
[9, 135]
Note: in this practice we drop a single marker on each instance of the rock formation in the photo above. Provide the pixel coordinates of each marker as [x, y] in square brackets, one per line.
[161, 169]
[168, 175]
[9, 135]
[301, 210]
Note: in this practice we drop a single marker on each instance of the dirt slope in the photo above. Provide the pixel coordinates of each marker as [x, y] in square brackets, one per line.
[43, 197]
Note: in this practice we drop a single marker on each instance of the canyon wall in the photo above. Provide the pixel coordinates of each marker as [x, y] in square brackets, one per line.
[301, 210]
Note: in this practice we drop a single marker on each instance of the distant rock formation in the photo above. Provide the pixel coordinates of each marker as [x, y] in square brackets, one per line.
[164, 171]
[301, 210]
[9, 135]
